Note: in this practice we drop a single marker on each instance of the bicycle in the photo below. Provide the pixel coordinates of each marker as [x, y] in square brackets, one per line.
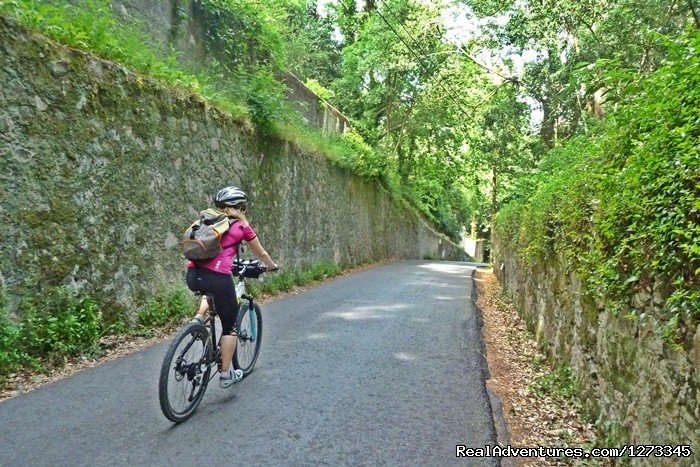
[187, 366]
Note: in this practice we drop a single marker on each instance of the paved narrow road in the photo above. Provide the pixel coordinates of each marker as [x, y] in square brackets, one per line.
[379, 367]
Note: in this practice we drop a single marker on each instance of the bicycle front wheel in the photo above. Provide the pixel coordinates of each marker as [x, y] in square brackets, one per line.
[184, 375]
[249, 324]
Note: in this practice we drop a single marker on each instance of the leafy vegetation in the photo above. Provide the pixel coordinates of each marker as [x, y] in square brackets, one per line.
[60, 323]
[168, 306]
[285, 281]
[414, 97]
[559, 382]
[90, 25]
[11, 356]
[53, 326]
[623, 202]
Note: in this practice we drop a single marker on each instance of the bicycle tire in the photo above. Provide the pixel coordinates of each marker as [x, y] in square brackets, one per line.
[196, 372]
[250, 326]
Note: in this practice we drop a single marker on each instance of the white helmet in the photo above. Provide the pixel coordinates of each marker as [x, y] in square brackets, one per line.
[229, 197]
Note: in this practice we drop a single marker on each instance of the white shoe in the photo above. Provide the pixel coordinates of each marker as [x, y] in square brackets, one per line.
[230, 377]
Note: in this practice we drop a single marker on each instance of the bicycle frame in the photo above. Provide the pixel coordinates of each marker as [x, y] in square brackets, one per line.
[240, 292]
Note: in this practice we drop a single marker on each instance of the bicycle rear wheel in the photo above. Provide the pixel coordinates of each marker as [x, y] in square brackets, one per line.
[249, 325]
[184, 375]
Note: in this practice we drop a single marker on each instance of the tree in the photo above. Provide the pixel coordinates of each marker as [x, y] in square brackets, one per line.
[312, 53]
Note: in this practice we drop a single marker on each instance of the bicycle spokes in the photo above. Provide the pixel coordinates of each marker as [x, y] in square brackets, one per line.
[185, 373]
[249, 331]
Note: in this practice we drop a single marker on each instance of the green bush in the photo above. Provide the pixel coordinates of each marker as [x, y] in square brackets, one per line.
[623, 202]
[266, 102]
[318, 271]
[282, 282]
[332, 269]
[302, 277]
[168, 306]
[285, 281]
[60, 323]
[11, 354]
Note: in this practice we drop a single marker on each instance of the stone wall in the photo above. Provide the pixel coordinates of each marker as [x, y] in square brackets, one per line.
[313, 109]
[103, 169]
[640, 390]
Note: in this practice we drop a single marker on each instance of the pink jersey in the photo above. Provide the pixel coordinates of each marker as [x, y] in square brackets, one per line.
[238, 232]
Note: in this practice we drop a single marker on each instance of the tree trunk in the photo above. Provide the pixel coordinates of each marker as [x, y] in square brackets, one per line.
[598, 101]
[494, 191]
[547, 130]
[696, 15]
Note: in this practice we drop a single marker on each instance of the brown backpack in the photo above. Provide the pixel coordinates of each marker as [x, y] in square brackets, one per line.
[202, 240]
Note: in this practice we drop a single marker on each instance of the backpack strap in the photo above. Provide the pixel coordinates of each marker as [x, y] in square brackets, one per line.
[239, 243]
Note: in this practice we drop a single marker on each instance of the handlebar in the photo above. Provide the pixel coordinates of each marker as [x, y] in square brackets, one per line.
[250, 269]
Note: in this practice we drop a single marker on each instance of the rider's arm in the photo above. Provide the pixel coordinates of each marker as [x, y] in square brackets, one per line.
[260, 252]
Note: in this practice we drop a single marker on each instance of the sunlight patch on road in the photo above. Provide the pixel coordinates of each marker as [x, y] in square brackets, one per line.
[442, 297]
[368, 312]
[446, 268]
[317, 336]
[404, 356]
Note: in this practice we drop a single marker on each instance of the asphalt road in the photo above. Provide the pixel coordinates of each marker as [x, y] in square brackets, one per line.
[383, 367]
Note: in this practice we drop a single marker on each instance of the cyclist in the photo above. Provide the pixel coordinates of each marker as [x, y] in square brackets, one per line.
[214, 276]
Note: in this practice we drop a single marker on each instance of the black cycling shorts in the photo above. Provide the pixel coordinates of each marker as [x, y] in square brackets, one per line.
[220, 287]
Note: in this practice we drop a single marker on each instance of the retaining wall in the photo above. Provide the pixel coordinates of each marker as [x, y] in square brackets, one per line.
[103, 169]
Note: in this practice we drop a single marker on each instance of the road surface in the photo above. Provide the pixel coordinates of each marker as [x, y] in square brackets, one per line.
[382, 367]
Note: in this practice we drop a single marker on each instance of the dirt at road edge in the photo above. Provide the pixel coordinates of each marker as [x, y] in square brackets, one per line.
[536, 414]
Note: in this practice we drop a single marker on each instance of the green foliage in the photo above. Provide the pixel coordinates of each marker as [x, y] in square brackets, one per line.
[623, 203]
[348, 150]
[320, 90]
[266, 102]
[168, 306]
[418, 99]
[326, 269]
[567, 35]
[277, 283]
[60, 323]
[90, 25]
[558, 383]
[302, 277]
[283, 282]
[311, 53]
[11, 354]
[245, 40]
[243, 34]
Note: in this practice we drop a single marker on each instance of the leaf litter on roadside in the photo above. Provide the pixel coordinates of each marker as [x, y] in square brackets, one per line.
[536, 411]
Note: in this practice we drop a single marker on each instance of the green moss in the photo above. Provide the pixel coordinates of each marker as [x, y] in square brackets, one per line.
[33, 219]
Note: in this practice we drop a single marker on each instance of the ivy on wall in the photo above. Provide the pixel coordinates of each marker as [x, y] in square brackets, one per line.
[623, 202]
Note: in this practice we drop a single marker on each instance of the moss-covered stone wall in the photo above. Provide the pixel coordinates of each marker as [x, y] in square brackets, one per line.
[638, 388]
[103, 169]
